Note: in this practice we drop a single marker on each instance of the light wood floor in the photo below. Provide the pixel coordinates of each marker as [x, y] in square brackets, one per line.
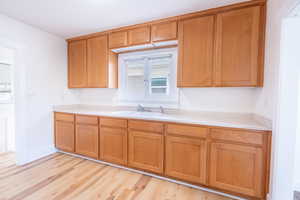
[60, 176]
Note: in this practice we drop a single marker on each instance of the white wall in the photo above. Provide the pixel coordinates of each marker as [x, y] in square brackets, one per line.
[40, 82]
[204, 99]
[280, 75]
[266, 99]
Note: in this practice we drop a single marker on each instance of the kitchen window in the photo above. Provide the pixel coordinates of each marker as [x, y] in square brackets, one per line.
[148, 76]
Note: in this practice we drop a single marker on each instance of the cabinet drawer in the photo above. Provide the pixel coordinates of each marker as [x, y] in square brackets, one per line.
[84, 119]
[120, 123]
[186, 130]
[64, 117]
[237, 136]
[146, 126]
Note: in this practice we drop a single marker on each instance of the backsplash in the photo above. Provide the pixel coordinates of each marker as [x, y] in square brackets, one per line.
[204, 99]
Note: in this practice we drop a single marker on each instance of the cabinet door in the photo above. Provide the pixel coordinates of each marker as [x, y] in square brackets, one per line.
[113, 145]
[97, 62]
[186, 159]
[146, 151]
[164, 31]
[64, 135]
[237, 47]
[139, 36]
[77, 64]
[196, 44]
[237, 168]
[87, 140]
[118, 39]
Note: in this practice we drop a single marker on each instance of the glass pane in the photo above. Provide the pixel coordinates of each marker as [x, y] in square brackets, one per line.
[159, 81]
[136, 79]
[159, 90]
[5, 78]
[159, 75]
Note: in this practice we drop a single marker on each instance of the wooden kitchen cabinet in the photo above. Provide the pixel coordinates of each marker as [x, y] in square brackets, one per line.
[113, 140]
[221, 47]
[113, 145]
[230, 159]
[146, 151]
[237, 168]
[164, 31]
[64, 132]
[118, 39]
[139, 35]
[97, 62]
[87, 136]
[77, 71]
[238, 47]
[186, 159]
[196, 52]
[91, 64]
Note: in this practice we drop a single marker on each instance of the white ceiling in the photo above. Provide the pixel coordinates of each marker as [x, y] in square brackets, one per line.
[68, 18]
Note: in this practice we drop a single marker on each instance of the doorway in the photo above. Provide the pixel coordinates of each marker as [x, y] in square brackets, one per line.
[286, 162]
[7, 106]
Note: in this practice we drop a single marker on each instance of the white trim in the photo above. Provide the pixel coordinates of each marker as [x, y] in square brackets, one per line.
[40, 153]
[156, 176]
[20, 100]
[285, 117]
[173, 98]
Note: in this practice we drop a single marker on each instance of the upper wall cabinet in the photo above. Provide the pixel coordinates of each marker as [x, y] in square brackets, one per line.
[164, 31]
[77, 64]
[97, 61]
[238, 37]
[196, 43]
[91, 65]
[227, 52]
[139, 35]
[118, 39]
[220, 47]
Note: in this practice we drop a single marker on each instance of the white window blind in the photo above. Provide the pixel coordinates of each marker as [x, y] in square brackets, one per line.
[148, 76]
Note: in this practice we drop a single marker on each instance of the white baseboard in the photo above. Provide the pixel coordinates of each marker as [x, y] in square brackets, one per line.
[37, 154]
[156, 176]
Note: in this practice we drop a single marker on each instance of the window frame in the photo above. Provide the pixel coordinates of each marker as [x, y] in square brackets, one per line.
[6, 97]
[152, 98]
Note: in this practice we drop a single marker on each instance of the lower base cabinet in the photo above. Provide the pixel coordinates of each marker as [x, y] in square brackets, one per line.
[64, 137]
[87, 138]
[64, 131]
[113, 145]
[186, 159]
[146, 151]
[237, 168]
[232, 160]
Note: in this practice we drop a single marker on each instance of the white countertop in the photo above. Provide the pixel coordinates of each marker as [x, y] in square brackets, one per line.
[221, 119]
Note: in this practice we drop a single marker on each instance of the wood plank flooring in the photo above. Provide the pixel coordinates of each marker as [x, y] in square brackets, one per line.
[60, 176]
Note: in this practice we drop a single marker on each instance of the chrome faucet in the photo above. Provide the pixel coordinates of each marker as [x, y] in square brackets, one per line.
[162, 110]
[141, 108]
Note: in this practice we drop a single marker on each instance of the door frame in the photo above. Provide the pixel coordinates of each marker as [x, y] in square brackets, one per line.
[20, 100]
[287, 116]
